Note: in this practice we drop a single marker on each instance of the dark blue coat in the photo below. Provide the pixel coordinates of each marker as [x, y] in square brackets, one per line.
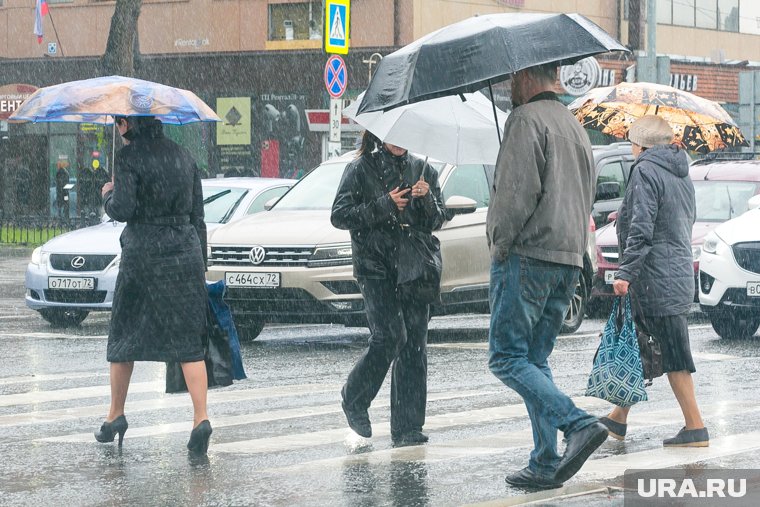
[654, 227]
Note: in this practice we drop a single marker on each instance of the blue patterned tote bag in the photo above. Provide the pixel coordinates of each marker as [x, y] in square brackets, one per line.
[617, 375]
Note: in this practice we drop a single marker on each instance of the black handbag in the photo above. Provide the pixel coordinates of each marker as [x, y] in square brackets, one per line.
[420, 265]
[218, 359]
[649, 347]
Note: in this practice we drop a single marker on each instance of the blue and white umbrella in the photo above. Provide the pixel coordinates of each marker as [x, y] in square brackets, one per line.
[98, 100]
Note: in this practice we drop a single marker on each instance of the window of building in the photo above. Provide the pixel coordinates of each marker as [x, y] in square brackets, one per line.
[707, 14]
[296, 21]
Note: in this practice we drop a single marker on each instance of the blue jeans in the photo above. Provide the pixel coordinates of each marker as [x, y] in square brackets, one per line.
[529, 299]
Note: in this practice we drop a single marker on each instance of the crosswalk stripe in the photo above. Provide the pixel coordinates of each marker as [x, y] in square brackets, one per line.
[497, 443]
[448, 420]
[164, 402]
[272, 415]
[54, 336]
[663, 457]
[76, 393]
[31, 379]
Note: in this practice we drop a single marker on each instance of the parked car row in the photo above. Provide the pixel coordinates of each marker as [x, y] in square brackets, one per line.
[75, 273]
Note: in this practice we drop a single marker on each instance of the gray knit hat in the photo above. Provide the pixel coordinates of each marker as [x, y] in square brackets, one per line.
[650, 130]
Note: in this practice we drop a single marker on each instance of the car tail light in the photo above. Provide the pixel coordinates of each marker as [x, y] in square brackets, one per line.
[591, 224]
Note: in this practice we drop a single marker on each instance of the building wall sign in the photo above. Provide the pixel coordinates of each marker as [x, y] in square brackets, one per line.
[580, 77]
[191, 43]
[685, 82]
[11, 97]
[511, 3]
[235, 127]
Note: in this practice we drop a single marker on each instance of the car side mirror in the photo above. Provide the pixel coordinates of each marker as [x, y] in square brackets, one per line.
[459, 205]
[607, 190]
[754, 202]
[270, 203]
[612, 217]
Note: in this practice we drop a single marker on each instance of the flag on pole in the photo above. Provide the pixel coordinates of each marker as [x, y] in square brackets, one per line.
[40, 11]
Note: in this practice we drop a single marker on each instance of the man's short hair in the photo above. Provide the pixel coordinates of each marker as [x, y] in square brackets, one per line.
[546, 73]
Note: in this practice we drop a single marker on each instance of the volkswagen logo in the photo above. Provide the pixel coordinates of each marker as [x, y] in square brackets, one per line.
[257, 254]
[77, 262]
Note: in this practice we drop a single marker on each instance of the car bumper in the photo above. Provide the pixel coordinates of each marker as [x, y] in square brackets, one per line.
[39, 296]
[723, 283]
[306, 295]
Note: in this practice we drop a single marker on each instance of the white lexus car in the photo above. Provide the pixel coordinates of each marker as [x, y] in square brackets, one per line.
[75, 273]
[729, 275]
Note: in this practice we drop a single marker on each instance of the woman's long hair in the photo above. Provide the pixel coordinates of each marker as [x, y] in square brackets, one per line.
[370, 143]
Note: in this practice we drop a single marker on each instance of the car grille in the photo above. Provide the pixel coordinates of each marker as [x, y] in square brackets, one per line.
[63, 262]
[273, 256]
[747, 256]
[75, 296]
[610, 253]
[268, 301]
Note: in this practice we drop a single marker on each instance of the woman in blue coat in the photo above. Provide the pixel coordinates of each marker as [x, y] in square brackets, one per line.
[654, 233]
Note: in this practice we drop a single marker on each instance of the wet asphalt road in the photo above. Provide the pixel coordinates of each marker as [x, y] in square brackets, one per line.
[280, 437]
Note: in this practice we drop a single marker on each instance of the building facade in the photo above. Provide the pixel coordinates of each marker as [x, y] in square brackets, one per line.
[263, 59]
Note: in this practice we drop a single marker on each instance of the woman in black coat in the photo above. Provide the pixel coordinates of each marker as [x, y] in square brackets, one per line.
[160, 300]
[654, 233]
[386, 198]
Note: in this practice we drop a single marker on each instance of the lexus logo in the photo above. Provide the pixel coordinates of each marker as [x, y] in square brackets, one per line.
[77, 262]
[257, 254]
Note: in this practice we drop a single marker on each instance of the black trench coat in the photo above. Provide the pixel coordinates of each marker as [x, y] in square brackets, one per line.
[159, 306]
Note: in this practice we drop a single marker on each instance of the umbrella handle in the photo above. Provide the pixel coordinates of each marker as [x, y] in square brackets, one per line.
[495, 118]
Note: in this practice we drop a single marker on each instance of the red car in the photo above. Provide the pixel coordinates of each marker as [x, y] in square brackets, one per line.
[722, 189]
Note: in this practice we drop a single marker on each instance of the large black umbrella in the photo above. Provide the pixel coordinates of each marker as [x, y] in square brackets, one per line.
[470, 55]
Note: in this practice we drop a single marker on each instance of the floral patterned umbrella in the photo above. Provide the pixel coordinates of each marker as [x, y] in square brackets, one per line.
[700, 124]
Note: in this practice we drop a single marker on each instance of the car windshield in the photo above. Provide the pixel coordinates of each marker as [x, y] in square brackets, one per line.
[718, 201]
[316, 190]
[220, 202]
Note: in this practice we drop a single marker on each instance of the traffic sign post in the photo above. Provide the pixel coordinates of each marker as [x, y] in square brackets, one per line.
[336, 76]
[337, 25]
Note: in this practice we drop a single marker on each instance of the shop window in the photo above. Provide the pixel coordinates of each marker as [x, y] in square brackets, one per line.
[706, 14]
[665, 12]
[683, 13]
[728, 15]
[296, 21]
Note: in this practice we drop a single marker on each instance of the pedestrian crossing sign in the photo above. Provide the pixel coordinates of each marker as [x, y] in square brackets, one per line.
[337, 16]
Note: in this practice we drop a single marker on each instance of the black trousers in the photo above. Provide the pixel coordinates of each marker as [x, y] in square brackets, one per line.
[398, 326]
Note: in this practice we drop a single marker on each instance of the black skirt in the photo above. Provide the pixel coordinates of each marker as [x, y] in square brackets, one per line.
[672, 332]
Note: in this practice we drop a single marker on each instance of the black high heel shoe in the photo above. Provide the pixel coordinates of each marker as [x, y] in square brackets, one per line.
[108, 430]
[199, 438]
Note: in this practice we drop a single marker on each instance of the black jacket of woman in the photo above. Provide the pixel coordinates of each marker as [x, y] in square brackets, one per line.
[364, 207]
[160, 300]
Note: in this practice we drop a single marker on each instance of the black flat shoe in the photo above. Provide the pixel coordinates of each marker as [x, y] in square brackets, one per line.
[526, 479]
[413, 437]
[580, 445]
[358, 420]
[615, 429]
[109, 430]
[199, 438]
[689, 438]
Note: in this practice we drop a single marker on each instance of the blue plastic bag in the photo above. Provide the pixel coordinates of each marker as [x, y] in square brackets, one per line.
[224, 318]
[617, 375]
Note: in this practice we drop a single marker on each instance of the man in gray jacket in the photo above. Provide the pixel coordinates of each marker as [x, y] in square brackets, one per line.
[537, 230]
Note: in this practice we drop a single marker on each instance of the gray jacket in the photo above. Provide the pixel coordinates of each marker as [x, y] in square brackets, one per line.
[654, 232]
[543, 185]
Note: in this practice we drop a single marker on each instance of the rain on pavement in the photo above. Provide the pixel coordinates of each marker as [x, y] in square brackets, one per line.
[281, 439]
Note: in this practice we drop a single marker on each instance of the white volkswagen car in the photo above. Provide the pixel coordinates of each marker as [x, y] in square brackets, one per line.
[729, 275]
[75, 273]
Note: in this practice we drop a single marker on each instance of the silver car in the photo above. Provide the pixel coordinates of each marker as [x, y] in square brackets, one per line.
[75, 273]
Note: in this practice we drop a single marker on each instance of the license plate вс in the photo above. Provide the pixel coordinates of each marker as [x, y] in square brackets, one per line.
[265, 280]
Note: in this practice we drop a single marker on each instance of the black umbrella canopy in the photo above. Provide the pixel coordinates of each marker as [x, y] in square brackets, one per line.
[467, 56]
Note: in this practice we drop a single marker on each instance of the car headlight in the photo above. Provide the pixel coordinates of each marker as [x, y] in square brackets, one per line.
[712, 243]
[335, 255]
[39, 257]
[696, 252]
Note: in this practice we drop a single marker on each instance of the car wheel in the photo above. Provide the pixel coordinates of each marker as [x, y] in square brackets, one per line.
[64, 317]
[248, 330]
[574, 317]
[734, 324]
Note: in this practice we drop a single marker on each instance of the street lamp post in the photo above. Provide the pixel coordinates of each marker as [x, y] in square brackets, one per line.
[370, 62]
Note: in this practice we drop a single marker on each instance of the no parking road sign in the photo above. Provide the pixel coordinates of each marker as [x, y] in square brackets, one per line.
[336, 76]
